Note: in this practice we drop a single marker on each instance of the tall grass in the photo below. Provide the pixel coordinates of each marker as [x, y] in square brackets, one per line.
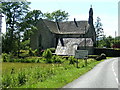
[42, 75]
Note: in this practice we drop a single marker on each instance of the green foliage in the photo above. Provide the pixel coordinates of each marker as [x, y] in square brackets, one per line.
[35, 52]
[47, 54]
[31, 52]
[29, 23]
[24, 53]
[99, 30]
[57, 15]
[25, 44]
[14, 12]
[32, 17]
[108, 42]
[92, 56]
[7, 57]
[52, 50]
[41, 75]
[72, 60]
[57, 59]
[26, 76]
[23, 59]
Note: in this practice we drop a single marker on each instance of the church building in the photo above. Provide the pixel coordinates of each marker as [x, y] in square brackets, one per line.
[59, 35]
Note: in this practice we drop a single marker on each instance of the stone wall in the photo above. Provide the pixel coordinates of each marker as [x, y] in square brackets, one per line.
[107, 51]
[91, 33]
[42, 38]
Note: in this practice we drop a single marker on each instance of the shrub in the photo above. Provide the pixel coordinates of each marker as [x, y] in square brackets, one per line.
[31, 52]
[22, 78]
[24, 53]
[47, 54]
[36, 52]
[72, 60]
[7, 57]
[6, 81]
[52, 50]
[116, 45]
[57, 59]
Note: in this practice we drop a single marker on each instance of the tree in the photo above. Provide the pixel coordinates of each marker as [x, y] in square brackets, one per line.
[99, 30]
[15, 12]
[57, 15]
[106, 42]
[29, 26]
[116, 43]
[29, 23]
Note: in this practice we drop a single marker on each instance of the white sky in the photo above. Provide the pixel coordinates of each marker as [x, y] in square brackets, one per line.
[107, 10]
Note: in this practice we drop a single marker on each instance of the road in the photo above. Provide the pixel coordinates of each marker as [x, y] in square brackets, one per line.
[104, 75]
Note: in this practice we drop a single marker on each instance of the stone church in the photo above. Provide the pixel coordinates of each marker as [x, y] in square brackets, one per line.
[59, 35]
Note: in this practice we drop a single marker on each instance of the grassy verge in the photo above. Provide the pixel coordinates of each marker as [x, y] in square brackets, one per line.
[64, 77]
[37, 75]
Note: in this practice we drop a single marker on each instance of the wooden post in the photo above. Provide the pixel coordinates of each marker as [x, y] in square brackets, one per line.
[85, 59]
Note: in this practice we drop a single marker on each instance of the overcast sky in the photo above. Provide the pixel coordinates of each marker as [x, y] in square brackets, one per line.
[107, 10]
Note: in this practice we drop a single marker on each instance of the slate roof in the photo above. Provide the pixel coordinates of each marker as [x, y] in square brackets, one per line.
[68, 27]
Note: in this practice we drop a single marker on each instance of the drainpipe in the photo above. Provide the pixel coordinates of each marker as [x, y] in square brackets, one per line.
[85, 38]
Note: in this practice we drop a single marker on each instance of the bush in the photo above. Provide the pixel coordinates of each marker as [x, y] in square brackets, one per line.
[36, 52]
[57, 59]
[52, 50]
[7, 57]
[24, 53]
[72, 60]
[31, 52]
[47, 54]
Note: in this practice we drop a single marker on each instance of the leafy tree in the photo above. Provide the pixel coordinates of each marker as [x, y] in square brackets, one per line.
[29, 26]
[15, 12]
[99, 30]
[29, 23]
[116, 43]
[106, 42]
[57, 15]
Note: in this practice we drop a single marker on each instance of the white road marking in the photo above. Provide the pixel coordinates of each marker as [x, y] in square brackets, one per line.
[115, 73]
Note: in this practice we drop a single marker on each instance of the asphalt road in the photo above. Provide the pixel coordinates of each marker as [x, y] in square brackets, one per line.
[104, 75]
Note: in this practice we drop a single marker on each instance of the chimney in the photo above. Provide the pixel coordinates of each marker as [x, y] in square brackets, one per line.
[75, 22]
